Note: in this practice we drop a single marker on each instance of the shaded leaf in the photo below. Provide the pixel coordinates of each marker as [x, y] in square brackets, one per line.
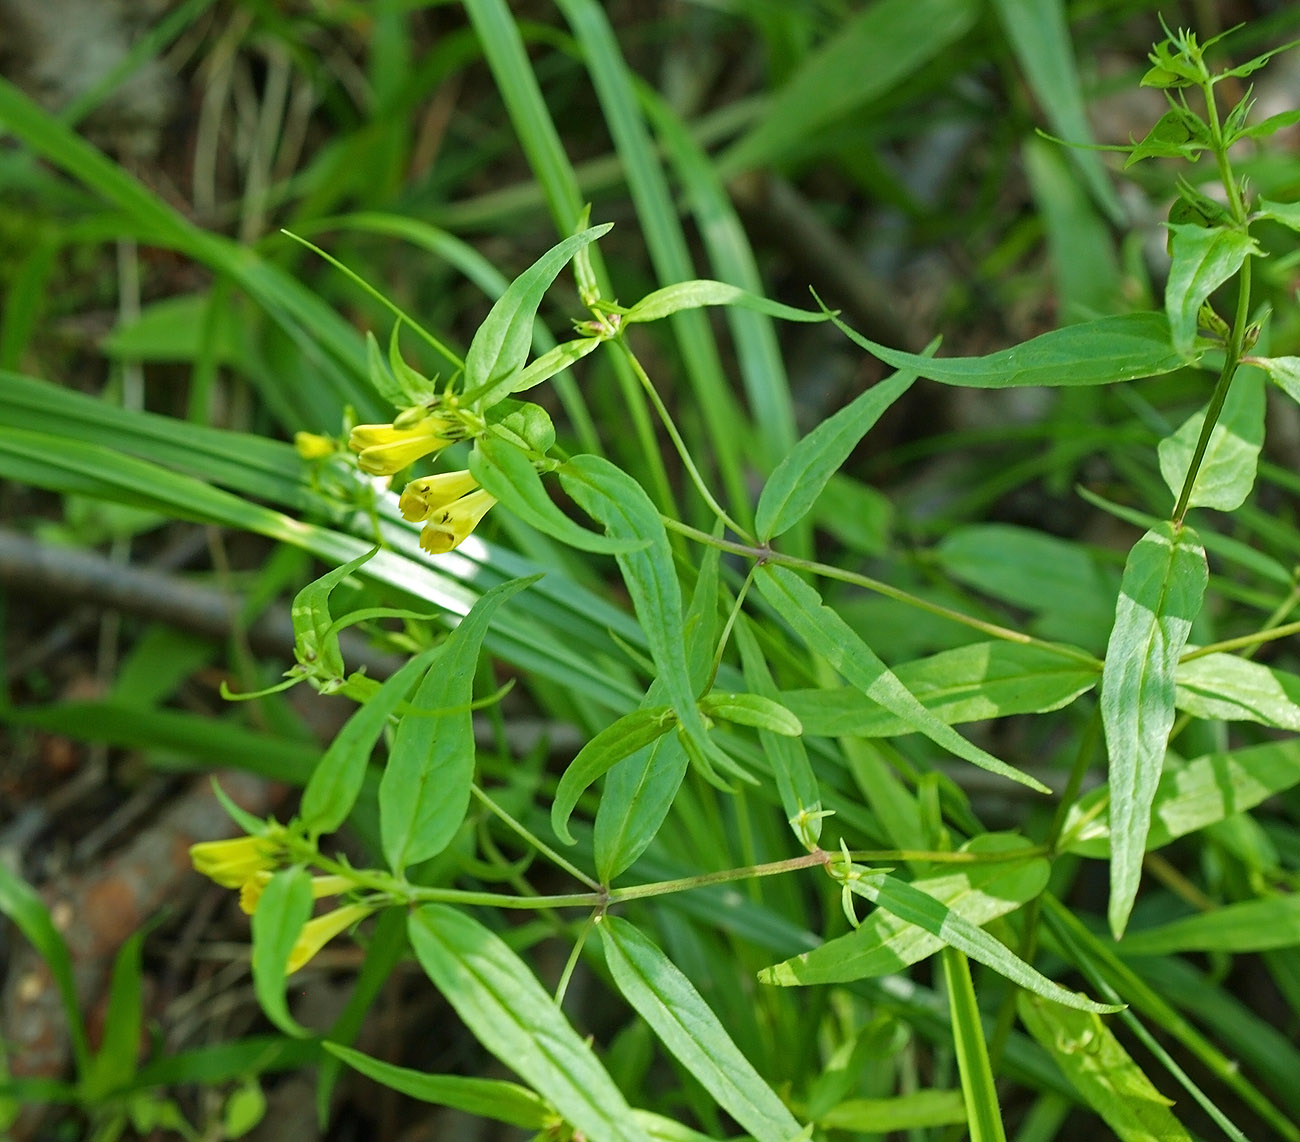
[1250, 926]
[1203, 258]
[695, 294]
[282, 912]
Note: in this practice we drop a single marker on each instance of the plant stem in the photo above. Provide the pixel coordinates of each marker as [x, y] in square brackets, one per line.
[767, 555]
[1244, 640]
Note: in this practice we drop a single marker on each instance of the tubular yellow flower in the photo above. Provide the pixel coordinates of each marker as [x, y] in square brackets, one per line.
[448, 528]
[250, 892]
[385, 449]
[311, 446]
[423, 497]
[320, 931]
[232, 863]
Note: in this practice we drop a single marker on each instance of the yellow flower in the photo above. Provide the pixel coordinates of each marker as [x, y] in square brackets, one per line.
[320, 931]
[421, 498]
[232, 863]
[311, 446]
[250, 892]
[385, 448]
[448, 527]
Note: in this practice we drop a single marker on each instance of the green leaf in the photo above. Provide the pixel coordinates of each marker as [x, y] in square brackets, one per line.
[486, 1098]
[866, 59]
[1207, 790]
[316, 643]
[1161, 593]
[796, 782]
[336, 781]
[904, 1112]
[508, 474]
[610, 495]
[1103, 1073]
[972, 1052]
[751, 710]
[804, 471]
[966, 684]
[500, 347]
[282, 912]
[115, 1062]
[1227, 471]
[621, 739]
[909, 903]
[1250, 926]
[1287, 213]
[1283, 372]
[1126, 347]
[1203, 258]
[684, 1023]
[499, 999]
[1226, 688]
[553, 362]
[25, 908]
[696, 294]
[883, 944]
[425, 790]
[638, 793]
[828, 635]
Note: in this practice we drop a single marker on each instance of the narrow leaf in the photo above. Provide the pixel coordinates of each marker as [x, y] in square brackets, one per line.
[282, 912]
[1223, 687]
[684, 1023]
[632, 732]
[751, 710]
[1251, 926]
[1122, 348]
[908, 902]
[1103, 1073]
[884, 944]
[696, 294]
[972, 1052]
[804, 471]
[501, 344]
[119, 1052]
[425, 790]
[336, 781]
[486, 1098]
[1161, 592]
[827, 634]
[315, 641]
[499, 999]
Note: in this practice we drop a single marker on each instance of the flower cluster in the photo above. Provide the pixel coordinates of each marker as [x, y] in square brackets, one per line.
[247, 863]
[449, 505]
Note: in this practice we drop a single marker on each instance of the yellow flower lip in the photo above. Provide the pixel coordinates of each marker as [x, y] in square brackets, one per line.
[320, 931]
[384, 448]
[447, 529]
[233, 862]
[421, 498]
[312, 446]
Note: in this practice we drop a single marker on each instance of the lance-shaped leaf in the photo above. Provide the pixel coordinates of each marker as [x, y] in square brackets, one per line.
[1209, 789]
[1227, 688]
[1250, 926]
[701, 292]
[751, 710]
[684, 1023]
[1203, 258]
[487, 1098]
[1227, 471]
[282, 912]
[827, 634]
[796, 783]
[506, 472]
[553, 362]
[804, 471]
[316, 643]
[1161, 593]
[501, 344]
[608, 494]
[909, 903]
[1121, 348]
[965, 684]
[632, 732]
[883, 943]
[336, 781]
[1283, 372]
[499, 999]
[425, 790]
[1099, 1068]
